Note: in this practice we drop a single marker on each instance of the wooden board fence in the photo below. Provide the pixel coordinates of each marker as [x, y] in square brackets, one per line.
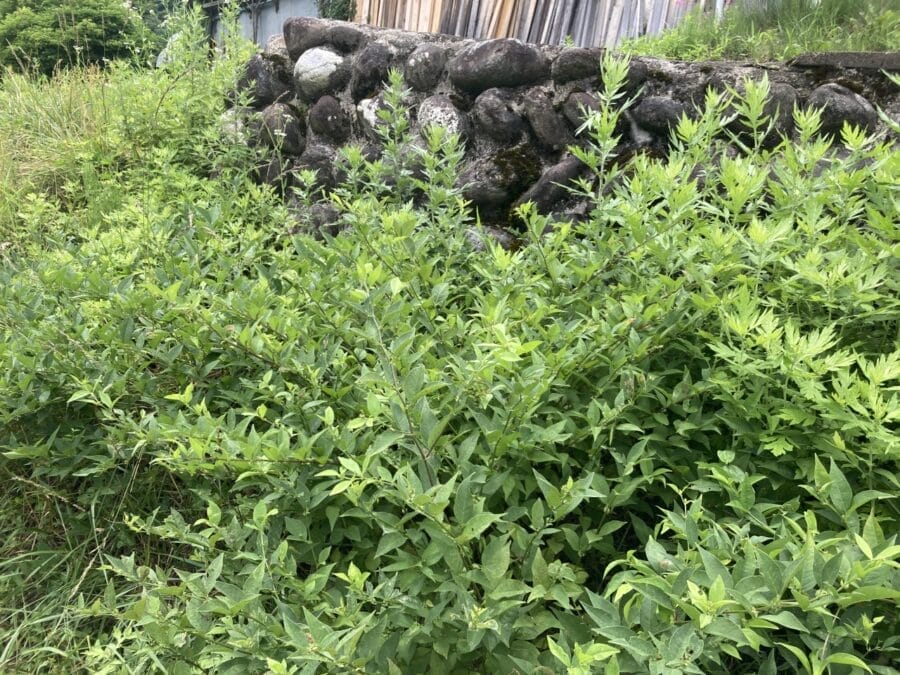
[586, 23]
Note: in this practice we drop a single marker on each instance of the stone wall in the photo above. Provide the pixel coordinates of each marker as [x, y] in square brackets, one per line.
[517, 106]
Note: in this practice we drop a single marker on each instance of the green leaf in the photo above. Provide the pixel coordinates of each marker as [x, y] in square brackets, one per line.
[839, 492]
[476, 525]
[495, 558]
[786, 619]
[846, 659]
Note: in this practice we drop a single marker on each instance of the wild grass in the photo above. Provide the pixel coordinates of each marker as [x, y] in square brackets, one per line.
[774, 30]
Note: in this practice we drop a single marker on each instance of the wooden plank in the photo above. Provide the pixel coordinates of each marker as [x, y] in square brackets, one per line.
[615, 21]
[503, 19]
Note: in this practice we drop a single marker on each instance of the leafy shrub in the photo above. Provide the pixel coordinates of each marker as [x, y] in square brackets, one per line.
[336, 9]
[662, 440]
[44, 34]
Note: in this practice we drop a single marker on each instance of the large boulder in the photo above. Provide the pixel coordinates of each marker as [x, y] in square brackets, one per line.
[658, 114]
[302, 33]
[492, 183]
[320, 71]
[280, 128]
[265, 79]
[553, 185]
[497, 63]
[424, 66]
[328, 119]
[547, 125]
[440, 111]
[576, 64]
[370, 70]
[840, 105]
[496, 115]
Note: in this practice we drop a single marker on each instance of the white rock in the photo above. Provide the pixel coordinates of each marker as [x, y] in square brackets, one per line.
[314, 70]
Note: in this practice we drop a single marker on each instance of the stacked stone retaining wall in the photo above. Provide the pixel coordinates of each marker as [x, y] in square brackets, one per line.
[517, 106]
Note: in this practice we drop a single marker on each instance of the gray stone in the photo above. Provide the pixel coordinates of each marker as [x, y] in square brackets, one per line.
[276, 47]
[320, 159]
[440, 111]
[302, 33]
[480, 237]
[345, 38]
[320, 71]
[546, 124]
[779, 108]
[274, 172]
[280, 128]
[492, 183]
[658, 114]
[858, 60]
[577, 105]
[367, 114]
[576, 64]
[840, 105]
[497, 63]
[550, 188]
[265, 79]
[328, 119]
[497, 117]
[424, 66]
[370, 70]
[321, 218]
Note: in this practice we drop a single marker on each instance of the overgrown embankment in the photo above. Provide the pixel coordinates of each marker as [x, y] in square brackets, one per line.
[661, 439]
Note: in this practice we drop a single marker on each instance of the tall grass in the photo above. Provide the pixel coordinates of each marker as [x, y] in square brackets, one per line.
[779, 29]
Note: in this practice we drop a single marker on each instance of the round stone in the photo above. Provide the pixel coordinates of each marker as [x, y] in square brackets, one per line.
[264, 80]
[328, 119]
[280, 128]
[370, 70]
[497, 117]
[546, 124]
[497, 63]
[345, 38]
[578, 105]
[440, 111]
[320, 71]
[658, 114]
[840, 105]
[576, 64]
[302, 33]
[425, 66]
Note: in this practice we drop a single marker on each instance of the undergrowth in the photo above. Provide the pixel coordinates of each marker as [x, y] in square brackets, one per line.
[774, 30]
[662, 440]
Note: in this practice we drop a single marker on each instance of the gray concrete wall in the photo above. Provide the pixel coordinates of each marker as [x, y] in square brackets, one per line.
[265, 19]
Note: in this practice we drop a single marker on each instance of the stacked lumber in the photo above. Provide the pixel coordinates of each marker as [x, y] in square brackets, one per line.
[586, 23]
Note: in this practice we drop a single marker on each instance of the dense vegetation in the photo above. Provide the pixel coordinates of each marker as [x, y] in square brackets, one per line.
[767, 30]
[43, 35]
[663, 440]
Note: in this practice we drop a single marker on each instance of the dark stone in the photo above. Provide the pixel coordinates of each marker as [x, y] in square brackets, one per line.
[493, 183]
[638, 74]
[550, 188]
[497, 63]
[424, 66]
[658, 114]
[370, 70]
[316, 219]
[576, 105]
[546, 124]
[302, 33]
[266, 80]
[328, 119]
[440, 111]
[320, 159]
[780, 109]
[345, 38]
[281, 128]
[576, 64]
[496, 116]
[840, 105]
[274, 173]
[858, 60]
